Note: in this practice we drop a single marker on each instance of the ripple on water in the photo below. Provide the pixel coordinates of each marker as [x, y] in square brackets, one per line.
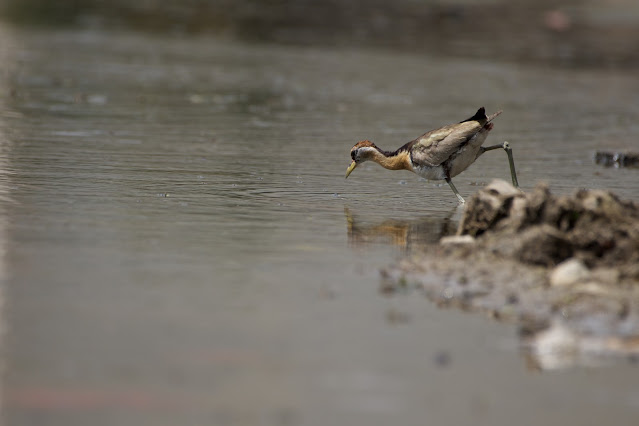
[199, 204]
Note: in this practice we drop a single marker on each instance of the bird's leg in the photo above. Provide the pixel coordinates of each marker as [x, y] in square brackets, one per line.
[509, 151]
[459, 197]
[511, 162]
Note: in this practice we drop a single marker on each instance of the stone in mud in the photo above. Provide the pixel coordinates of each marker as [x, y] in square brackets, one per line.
[457, 240]
[571, 271]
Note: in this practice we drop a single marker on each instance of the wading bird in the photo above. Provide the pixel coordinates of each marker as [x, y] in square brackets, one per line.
[440, 154]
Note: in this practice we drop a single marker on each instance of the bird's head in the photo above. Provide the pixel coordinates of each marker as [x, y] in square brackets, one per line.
[360, 152]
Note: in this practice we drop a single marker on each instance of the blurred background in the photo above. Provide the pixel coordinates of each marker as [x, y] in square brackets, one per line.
[593, 33]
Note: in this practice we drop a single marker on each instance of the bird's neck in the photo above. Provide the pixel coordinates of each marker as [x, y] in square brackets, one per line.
[398, 160]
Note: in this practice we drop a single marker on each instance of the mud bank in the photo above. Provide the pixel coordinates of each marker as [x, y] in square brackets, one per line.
[564, 268]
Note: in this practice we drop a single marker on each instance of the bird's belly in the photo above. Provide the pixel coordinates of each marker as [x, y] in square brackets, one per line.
[430, 172]
[464, 158]
[466, 155]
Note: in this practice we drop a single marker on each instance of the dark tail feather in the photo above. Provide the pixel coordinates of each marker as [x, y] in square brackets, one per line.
[480, 115]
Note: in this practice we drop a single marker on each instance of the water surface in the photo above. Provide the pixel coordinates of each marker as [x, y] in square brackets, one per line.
[180, 245]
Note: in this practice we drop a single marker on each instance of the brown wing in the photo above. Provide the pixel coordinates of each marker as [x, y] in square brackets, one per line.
[436, 146]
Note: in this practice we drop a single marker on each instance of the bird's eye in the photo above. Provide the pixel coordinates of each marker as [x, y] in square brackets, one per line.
[353, 155]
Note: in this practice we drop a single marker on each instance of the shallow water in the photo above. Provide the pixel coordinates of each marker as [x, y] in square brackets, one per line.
[180, 244]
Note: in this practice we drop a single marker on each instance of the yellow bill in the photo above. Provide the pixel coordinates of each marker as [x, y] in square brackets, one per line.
[351, 168]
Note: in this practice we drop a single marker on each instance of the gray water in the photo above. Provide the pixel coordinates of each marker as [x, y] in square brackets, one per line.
[179, 244]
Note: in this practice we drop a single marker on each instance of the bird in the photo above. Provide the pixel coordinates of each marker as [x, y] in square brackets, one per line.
[440, 154]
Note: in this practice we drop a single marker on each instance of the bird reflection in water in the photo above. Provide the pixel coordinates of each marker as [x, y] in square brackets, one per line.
[405, 234]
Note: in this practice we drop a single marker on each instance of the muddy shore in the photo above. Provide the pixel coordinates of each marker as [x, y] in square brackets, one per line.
[564, 268]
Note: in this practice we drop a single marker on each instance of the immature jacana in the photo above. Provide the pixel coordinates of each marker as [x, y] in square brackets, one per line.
[440, 154]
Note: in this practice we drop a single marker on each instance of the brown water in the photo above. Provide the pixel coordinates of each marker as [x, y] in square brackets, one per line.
[179, 244]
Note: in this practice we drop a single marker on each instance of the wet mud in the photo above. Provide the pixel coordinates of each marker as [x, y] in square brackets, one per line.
[564, 268]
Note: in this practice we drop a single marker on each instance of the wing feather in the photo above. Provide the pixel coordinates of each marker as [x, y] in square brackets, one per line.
[436, 146]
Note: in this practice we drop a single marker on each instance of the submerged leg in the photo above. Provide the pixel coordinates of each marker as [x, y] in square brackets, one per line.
[509, 151]
[459, 197]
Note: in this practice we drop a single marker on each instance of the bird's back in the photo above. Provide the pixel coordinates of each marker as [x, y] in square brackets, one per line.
[435, 147]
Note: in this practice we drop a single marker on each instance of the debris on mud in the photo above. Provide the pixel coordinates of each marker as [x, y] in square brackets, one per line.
[565, 268]
[617, 159]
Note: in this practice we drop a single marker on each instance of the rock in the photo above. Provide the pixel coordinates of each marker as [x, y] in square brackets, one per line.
[571, 271]
[457, 240]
